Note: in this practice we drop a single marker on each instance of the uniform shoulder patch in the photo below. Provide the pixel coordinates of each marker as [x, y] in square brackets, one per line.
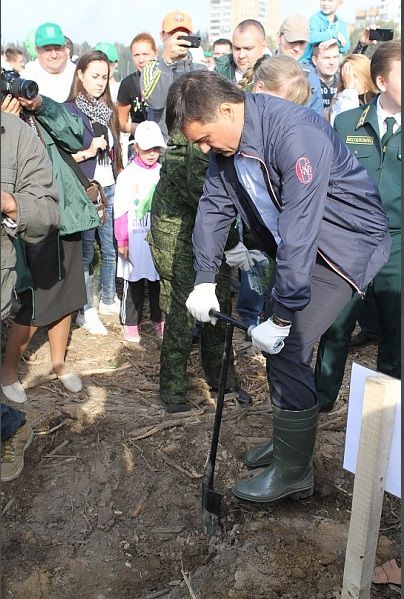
[304, 170]
[359, 139]
[363, 117]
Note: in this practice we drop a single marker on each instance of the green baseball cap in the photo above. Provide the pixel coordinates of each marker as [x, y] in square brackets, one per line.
[109, 50]
[49, 34]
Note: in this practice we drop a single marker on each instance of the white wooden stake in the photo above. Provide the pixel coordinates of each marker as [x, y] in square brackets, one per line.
[373, 454]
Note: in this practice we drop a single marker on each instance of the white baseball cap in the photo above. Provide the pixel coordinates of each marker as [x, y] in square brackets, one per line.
[148, 135]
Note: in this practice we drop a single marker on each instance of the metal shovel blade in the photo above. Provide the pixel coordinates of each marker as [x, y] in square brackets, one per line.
[211, 504]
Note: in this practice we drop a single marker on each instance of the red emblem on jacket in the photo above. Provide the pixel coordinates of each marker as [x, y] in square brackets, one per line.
[304, 170]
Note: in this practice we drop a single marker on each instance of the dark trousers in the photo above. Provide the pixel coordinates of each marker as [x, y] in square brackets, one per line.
[11, 421]
[368, 315]
[290, 374]
[133, 301]
[334, 345]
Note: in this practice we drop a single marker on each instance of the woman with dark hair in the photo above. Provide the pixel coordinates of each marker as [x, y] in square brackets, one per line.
[100, 158]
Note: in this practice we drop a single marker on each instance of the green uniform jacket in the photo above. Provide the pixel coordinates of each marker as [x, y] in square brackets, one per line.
[173, 211]
[359, 129]
[59, 126]
[77, 212]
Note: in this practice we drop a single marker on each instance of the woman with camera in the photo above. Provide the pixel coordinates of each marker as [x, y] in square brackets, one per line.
[99, 158]
[50, 281]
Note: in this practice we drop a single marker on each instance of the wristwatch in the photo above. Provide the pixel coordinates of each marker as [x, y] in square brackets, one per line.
[279, 321]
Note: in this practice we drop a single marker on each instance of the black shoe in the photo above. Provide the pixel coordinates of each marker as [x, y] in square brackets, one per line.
[243, 398]
[173, 408]
[361, 340]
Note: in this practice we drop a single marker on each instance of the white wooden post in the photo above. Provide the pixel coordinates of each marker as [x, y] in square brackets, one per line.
[373, 454]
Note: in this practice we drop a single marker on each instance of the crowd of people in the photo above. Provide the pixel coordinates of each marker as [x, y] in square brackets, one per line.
[280, 166]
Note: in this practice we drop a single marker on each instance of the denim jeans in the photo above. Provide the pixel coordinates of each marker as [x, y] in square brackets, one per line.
[249, 304]
[11, 421]
[108, 253]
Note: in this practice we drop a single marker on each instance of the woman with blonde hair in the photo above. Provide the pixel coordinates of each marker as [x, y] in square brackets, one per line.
[355, 87]
[280, 76]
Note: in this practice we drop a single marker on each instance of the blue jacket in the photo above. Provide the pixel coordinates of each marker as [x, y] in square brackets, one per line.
[316, 98]
[321, 30]
[327, 203]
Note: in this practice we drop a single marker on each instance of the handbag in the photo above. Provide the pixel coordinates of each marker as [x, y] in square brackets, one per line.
[96, 194]
[93, 188]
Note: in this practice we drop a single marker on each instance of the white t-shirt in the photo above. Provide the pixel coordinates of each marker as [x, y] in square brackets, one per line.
[103, 172]
[133, 184]
[55, 86]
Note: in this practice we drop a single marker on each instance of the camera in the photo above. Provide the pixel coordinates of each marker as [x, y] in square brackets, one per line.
[381, 35]
[12, 83]
[195, 40]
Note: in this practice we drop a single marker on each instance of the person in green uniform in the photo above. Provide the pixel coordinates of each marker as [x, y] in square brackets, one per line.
[373, 133]
[174, 206]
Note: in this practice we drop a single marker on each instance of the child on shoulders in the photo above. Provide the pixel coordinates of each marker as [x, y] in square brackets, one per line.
[326, 28]
[132, 203]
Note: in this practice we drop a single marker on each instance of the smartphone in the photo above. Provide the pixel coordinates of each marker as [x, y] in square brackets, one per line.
[194, 39]
[381, 35]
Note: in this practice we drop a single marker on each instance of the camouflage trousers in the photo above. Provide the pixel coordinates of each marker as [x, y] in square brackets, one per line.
[178, 333]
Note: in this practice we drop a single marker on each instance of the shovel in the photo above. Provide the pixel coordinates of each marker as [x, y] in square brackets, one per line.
[211, 499]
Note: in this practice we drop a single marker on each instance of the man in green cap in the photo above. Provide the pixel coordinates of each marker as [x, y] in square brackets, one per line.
[113, 59]
[52, 70]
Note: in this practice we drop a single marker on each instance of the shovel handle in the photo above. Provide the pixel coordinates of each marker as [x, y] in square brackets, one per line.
[236, 323]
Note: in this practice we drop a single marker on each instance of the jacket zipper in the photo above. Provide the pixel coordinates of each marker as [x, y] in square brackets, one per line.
[330, 264]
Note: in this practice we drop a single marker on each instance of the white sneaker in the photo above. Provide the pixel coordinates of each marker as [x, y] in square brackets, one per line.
[110, 309]
[91, 322]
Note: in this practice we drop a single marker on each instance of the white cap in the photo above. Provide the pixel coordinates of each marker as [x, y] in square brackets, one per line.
[148, 135]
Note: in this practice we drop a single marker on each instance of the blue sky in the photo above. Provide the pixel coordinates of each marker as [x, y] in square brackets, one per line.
[120, 20]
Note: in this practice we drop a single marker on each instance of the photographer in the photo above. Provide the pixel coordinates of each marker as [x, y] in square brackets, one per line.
[29, 210]
[175, 60]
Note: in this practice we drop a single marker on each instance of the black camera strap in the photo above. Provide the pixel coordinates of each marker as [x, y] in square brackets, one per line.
[29, 118]
[68, 158]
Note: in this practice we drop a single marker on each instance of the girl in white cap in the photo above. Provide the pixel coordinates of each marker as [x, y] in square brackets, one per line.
[132, 202]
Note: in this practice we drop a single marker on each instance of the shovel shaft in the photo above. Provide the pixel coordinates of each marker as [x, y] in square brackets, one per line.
[220, 402]
[228, 319]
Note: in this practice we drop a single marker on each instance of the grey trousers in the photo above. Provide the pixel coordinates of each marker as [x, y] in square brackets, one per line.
[290, 375]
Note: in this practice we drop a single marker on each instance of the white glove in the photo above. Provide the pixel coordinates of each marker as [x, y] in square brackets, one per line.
[239, 256]
[269, 337]
[201, 300]
[257, 255]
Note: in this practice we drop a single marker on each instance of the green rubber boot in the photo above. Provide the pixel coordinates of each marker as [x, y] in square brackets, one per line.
[260, 456]
[291, 471]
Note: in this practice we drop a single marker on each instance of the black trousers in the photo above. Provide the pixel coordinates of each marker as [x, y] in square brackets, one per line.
[290, 375]
[133, 301]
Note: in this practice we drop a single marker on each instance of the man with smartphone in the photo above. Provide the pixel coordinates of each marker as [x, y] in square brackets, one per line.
[175, 60]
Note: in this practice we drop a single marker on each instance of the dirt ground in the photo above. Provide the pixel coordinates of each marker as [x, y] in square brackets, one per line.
[108, 505]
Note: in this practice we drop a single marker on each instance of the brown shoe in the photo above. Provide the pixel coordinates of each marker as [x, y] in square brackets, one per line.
[12, 452]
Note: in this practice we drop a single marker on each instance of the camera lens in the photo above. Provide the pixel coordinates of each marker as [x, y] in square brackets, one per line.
[29, 89]
[24, 88]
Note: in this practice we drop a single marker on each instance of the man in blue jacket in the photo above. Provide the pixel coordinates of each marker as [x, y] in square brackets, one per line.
[315, 210]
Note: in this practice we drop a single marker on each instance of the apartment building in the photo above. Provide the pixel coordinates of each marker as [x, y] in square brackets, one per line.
[224, 16]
